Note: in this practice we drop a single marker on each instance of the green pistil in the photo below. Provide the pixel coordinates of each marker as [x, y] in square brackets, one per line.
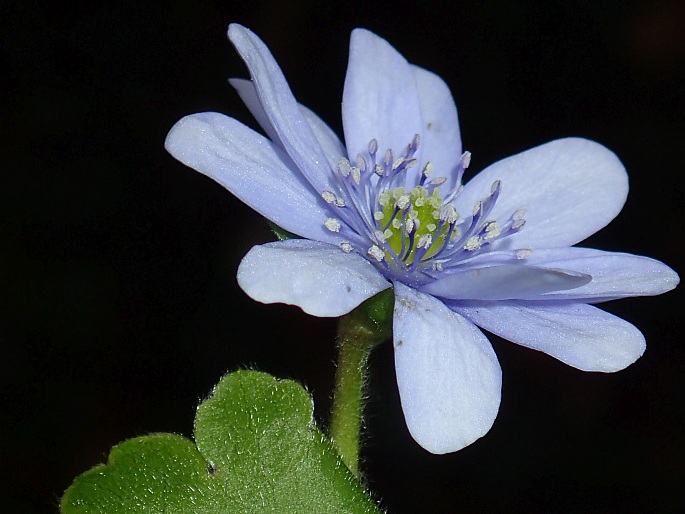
[416, 205]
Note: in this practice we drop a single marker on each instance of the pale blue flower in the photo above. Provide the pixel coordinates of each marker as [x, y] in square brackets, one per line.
[387, 209]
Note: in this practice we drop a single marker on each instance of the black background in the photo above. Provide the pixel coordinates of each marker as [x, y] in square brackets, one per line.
[120, 305]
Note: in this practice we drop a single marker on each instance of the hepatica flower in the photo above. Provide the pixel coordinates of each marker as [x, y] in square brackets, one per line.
[388, 209]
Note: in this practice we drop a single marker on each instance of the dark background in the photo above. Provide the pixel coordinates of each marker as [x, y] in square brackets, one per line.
[120, 308]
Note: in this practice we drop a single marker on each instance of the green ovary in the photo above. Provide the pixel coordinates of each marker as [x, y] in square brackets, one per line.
[415, 204]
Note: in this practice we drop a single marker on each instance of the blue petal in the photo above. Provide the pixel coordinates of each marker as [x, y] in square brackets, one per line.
[440, 136]
[282, 109]
[252, 168]
[330, 144]
[570, 189]
[248, 94]
[380, 98]
[580, 335]
[447, 373]
[319, 278]
[509, 281]
[614, 275]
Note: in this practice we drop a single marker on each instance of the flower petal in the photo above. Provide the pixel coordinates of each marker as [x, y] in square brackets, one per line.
[580, 335]
[248, 94]
[570, 189]
[252, 168]
[317, 277]
[447, 373]
[282, 109]
[380, 99]
[440, 136]
[506, 282]
[614, 275]
[330, 144]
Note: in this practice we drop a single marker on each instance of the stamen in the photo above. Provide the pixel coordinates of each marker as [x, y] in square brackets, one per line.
[492, 230]
[409, 219]
[356, 174]
[379, 236]
[473, 243]
[361, 162]
[425, 241]
[388, 158]
[376, 253]
[332, 224]
[402, 202]
[344, 167]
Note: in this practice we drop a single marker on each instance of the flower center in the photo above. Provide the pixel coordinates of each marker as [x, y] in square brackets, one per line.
[414, 223]
[402, 219]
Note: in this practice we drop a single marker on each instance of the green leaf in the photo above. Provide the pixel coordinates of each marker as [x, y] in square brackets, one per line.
[281, 233]
[257, 450]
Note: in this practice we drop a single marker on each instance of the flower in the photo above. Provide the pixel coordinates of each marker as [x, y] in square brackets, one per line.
[388, 209]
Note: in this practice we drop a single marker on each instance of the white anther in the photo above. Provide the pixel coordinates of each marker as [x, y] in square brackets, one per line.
[420, 201]
[413, 214]
[378, 236]
[388, 157]
[518, 224]
[437, 266]
[473, 243]
[339, 202]
[397, 163]
[378, 170]
[425, 241]
[410, 225]
[329, 196]
[436, 214]
[466, 159]
[332, 224]
[376, 253]
[378, 215]
[431, 227]
[344, 167]
[361, 162]
[495, 186]
[492, 230]
[449, 214]
[438, 181]
[402, 202]
[524, 253]
[477, 207]
[356, 174]
[427, 169]
[416, 140]
[519, 213]
[387, 233]
[396, 223]
[410, 163]
[345, 246]
[373, 146]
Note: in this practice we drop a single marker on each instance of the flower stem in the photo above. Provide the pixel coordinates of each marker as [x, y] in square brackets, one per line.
[358, 332]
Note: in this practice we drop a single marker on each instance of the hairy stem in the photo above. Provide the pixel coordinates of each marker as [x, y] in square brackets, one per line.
[358, 332]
